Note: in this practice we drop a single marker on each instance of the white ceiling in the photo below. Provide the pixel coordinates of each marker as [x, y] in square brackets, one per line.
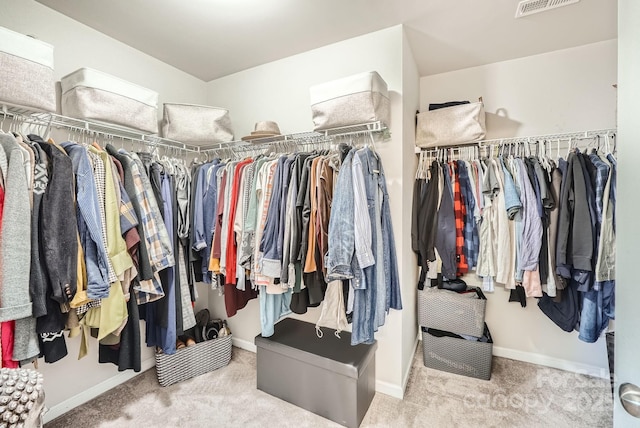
[214, 38]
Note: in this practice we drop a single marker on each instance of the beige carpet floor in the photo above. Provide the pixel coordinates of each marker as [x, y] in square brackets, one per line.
[518, 395]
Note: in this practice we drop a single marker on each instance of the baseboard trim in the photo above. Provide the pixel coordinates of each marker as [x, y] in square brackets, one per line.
[390, 389]
[407, 372]
[91, 393]
[556, 363]
[244, 344]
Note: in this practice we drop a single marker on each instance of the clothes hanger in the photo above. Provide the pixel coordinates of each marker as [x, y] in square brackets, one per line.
[372, 144]
[4, 116]
[421, 160]
[543, 157]
[606, 144]
[597, 143]
[614, 137]
[13, 125]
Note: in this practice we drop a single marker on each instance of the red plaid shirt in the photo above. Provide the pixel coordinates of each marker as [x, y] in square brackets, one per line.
[459, 211]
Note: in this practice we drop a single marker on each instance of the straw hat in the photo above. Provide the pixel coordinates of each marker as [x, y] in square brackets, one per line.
[263, 130]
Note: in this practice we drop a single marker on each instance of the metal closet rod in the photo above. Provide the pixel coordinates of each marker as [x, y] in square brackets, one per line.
[549, 137]
[580, 135]
[282, 143]
[305, 138]
[108, 131]
[89, 128]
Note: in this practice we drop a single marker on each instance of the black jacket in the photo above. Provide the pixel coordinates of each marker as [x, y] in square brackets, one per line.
[59, 227]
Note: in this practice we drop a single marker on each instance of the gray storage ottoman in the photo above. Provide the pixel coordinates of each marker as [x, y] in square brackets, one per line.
[327, 376]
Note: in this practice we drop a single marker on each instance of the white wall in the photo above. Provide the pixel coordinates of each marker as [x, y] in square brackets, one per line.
[563, 91]
[279, 91]
[627, 346]
[76, 46]
[410, 103]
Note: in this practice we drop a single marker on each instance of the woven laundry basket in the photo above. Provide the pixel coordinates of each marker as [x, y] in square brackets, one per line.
[193, 360]
[459, 356]
[460, 313]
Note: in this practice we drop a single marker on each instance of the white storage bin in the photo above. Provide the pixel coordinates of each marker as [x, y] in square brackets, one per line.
[94, 95]
[26, 71]
[353, 100]
[192, 123]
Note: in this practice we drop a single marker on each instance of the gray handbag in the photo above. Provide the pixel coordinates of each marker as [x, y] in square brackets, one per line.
[451, 126]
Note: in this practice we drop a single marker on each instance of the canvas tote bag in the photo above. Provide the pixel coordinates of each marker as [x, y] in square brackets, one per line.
[332, 314]
[451, 126]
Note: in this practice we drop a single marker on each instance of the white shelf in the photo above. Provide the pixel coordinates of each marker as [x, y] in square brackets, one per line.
[97, 129]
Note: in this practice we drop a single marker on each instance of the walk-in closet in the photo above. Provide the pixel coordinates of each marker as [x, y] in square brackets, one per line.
[324, 214]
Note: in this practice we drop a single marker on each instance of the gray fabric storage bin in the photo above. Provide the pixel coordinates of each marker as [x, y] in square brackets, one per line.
[460, 313]
[192, 123]
[353, 100]
[26, 71]
[193, 360]
[325, 376]
[459, 356]
[94, 95]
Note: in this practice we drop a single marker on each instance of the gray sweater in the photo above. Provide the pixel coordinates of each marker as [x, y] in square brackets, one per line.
[15, 251]
[15, 242]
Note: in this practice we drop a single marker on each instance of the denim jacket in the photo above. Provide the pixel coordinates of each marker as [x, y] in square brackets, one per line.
[89, 222]
[383, 288]
[272, 258]
[341, 228]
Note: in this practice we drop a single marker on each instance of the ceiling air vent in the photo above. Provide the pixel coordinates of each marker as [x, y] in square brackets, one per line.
[529, 7]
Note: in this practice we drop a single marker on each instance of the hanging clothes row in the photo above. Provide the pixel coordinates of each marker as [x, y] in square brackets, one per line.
[537, 226]
[281, 227]
[99, 245]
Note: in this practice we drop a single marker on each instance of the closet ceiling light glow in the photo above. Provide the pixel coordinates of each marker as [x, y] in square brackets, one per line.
[530, 7]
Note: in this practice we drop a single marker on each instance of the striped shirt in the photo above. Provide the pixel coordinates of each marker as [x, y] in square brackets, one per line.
[155, 232]
[128, 217]
[361, 219]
